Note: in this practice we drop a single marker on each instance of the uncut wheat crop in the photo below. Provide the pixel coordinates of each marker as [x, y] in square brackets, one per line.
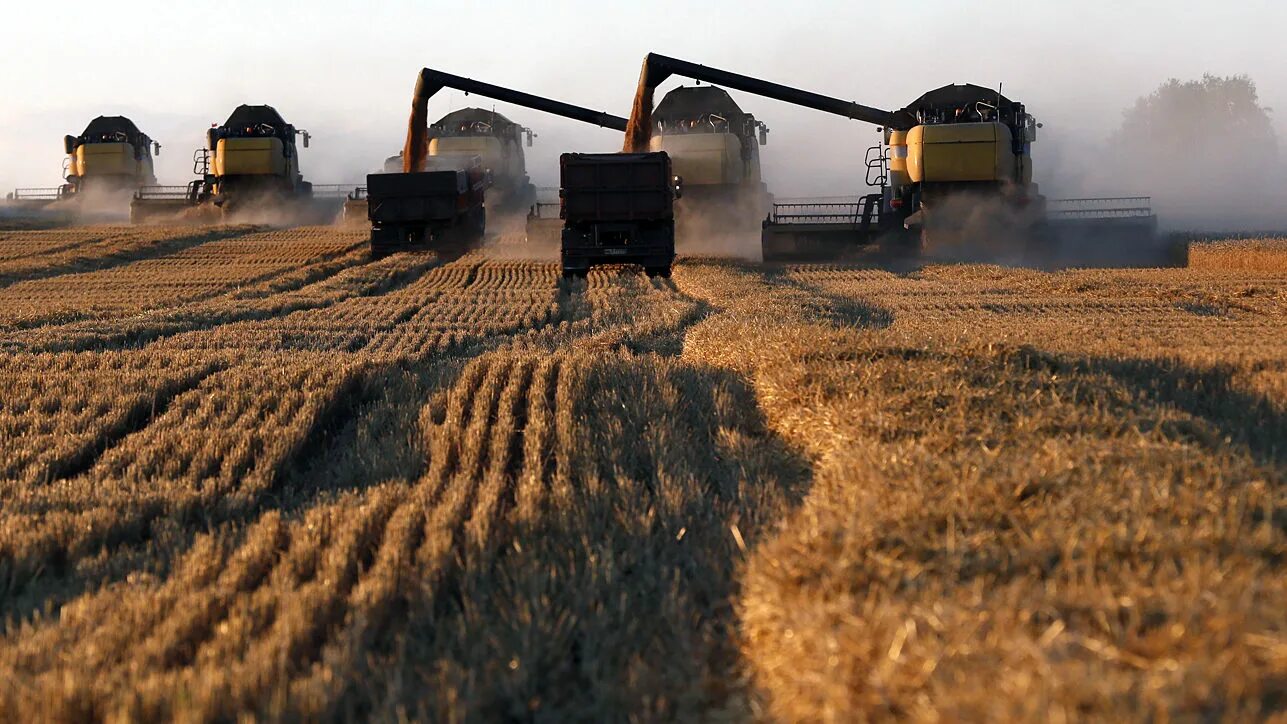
[252, 473]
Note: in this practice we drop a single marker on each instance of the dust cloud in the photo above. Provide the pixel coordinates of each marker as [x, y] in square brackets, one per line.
[726, 226]
[1204, 150]
[980, 229]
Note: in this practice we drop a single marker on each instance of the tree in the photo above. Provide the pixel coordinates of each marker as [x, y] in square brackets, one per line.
[1200, 146]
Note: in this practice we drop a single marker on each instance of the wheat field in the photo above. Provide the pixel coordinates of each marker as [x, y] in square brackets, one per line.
[250, 473]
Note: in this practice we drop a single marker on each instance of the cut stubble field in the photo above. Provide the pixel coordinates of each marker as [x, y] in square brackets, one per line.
[249, 471]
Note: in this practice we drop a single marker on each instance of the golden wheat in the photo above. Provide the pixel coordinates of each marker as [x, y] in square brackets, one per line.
[252, 473]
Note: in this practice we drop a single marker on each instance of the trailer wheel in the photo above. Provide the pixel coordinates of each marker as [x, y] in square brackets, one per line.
[658, 271]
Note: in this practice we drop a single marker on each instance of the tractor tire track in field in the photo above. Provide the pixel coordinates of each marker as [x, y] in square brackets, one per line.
[493, 448]
[499, 448]
[135, 419]
[163, 247]
[12, 255]
[55, 325]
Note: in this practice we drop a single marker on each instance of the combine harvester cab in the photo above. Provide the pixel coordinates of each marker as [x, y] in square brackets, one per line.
[112, 154]
[618, 208]
[249, 164]
[439, 209]
[110, 157]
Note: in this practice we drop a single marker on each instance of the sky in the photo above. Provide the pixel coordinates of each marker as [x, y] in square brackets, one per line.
[345, 70]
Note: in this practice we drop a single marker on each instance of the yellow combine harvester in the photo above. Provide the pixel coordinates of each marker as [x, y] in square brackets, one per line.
[955, 169]
[249, 164]
[110, 156]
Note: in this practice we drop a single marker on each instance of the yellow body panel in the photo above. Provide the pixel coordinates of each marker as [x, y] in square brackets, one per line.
[250, 157]
[488, 148]
[703, 158]
[104, 159]
[960, 152]
[898, 159]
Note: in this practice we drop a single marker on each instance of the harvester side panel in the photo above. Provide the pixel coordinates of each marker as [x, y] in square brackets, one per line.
[703, 159]
[251, 157]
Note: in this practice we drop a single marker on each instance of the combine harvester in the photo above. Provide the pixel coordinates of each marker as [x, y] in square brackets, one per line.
[249, 166]
[954, 156]
[111, 158]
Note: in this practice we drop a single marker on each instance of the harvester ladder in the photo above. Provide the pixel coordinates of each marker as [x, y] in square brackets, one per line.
[877, 166]
[201, 161]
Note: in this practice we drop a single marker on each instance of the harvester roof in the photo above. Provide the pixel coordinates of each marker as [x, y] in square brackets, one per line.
[465, 118]
[689, 102]
[956, 96]
[254, 115]
[104, 125]
[469, 115]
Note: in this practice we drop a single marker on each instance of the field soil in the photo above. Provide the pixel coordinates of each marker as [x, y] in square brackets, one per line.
[250, 472]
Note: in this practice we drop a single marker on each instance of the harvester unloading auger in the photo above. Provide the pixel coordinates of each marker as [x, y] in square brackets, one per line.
[437, 201]
[492, 137]
[249, 164]
[954, 155]
[111, 156]
[398, 222]
[713, 143]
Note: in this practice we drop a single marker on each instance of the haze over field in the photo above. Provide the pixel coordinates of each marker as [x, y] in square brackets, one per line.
[345, 72]
[265, 459]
